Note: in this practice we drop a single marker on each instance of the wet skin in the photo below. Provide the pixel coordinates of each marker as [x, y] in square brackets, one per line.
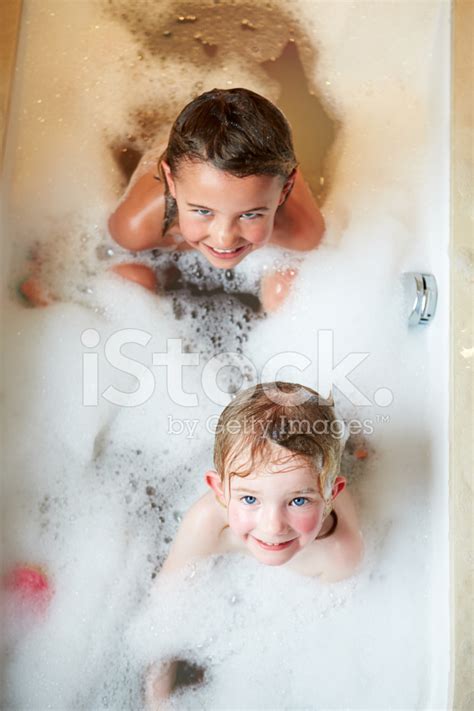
[277, 511]
[222, 216]
[279, 502]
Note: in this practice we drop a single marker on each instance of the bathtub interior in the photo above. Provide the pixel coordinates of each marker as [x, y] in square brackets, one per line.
[94, 494]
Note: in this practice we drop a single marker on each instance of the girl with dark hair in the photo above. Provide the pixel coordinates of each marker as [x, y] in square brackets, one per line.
[228, 183]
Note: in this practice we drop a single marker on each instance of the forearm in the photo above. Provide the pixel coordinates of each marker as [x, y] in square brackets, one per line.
[159, 683]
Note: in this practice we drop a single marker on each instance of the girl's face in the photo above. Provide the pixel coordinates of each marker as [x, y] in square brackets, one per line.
[278, 509]
[222, 216]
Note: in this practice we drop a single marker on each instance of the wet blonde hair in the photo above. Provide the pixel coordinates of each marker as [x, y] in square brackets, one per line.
[290, 415]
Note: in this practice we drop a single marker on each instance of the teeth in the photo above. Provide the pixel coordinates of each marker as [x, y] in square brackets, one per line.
[225, 251]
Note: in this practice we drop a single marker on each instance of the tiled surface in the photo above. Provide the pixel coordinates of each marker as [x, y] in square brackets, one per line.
[461, 460]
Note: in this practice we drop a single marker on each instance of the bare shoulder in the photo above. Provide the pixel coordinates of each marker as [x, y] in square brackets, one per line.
[137, 221]
[299, 223]
[198, 534]
[345, 549]
[338, 556]
[205, 514]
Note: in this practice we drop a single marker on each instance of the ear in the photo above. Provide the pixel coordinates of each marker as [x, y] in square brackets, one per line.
[169, 178]
[339, 485]
[288, 186]
[213, 480]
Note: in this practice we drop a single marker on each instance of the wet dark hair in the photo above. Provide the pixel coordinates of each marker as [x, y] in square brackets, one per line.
[237, 131]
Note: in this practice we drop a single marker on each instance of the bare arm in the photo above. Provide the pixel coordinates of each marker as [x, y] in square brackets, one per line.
[299, 223]
[197, 535]
[137, 222]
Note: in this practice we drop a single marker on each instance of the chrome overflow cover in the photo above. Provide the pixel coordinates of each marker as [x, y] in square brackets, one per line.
[422, 295]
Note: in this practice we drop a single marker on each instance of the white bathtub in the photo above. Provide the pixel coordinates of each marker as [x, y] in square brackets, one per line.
[66, 105]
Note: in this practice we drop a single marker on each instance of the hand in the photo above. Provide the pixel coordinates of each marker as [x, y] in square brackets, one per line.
[31, 288]
[159, 682]
[275, 287]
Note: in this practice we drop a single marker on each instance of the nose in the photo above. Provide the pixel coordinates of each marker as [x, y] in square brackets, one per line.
[273, 522]
[224, 233]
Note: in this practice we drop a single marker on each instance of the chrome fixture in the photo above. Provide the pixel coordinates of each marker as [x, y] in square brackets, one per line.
[422, 295]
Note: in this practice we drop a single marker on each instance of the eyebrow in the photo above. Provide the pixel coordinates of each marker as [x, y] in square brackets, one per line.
[301, 491]
[242, 212]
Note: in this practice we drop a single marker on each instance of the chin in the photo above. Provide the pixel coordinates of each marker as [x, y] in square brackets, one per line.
[271, 559]
[273, 564]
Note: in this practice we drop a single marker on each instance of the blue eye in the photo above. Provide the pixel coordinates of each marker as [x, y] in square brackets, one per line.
[246, 499]
[253, 215]
[202, 211]
[299, 501]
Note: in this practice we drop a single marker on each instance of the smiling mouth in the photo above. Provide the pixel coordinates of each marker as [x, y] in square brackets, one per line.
[274, 546]
[227, 253]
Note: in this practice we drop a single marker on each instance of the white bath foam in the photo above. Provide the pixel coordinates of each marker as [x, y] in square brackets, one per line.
[47, 352]
[257, 623]
[319, 299]
[357, 32]
[400, 574]
[170, 411]
[253, 602]
[401, 80]
[43, 357]
[51, 435]
[361, 181]
[94, 560]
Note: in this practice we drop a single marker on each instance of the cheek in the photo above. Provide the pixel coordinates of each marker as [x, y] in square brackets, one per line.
[191, 229]
[306, 522]
[240, 519]
[258, 233]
